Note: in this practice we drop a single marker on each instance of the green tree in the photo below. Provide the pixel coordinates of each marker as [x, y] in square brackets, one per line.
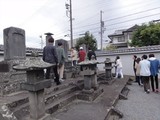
[146, 35]
[88, 40]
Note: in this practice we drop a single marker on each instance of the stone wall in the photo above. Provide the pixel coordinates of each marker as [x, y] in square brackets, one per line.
[126, 56]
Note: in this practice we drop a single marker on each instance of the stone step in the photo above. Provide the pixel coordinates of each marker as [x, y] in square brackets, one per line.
[21, 111]
[53, 107]
[19, 98]
[62, 86]
[20, 107]
[58, 94]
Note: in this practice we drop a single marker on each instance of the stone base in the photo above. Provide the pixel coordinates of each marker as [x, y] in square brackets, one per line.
[107, 81]
[46, 117]
[89, 95]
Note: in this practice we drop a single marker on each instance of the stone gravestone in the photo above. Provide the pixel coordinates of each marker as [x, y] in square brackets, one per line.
[14, 53]
[14, 43]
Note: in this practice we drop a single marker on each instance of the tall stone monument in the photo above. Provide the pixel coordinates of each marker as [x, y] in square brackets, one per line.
[14, 43]
[14, 53]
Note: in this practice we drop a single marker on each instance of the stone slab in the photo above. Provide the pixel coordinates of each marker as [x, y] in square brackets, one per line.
[4, 67]
[36, 86]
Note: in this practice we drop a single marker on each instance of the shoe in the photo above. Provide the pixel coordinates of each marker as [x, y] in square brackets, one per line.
[156, 90]
[148, 91]
[58, 83]
[61, 79]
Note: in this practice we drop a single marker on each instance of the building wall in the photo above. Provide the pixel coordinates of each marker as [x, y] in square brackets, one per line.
[127, 60]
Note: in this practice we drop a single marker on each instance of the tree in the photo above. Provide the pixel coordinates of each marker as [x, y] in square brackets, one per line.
[88, 40]
[146, 35]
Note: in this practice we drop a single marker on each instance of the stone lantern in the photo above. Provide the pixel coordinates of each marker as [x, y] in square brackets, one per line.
[91, 88]
[108, 69]
[35, 84]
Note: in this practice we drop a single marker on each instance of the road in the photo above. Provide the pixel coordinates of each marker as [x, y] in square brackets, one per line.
[140, 105]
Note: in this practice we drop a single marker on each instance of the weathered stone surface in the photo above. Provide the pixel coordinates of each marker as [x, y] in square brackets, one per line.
[36, 86]
[14, 43]
[32, 64]
[4, 67]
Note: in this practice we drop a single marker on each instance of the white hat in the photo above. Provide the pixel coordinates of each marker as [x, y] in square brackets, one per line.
[81, 48]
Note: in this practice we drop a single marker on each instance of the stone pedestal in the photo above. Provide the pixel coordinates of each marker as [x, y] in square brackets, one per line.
[91, 89]
[108, 69]
[35, 85]
[107, 77]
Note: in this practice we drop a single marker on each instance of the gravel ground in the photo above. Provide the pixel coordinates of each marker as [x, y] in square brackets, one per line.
[140, 105]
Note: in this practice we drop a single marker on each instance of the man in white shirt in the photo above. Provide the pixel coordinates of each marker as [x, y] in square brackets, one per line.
[145, 73]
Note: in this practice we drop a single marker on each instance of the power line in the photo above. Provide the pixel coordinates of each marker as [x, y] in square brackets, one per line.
[120, 17]
[120, 22]
[134, 19]
[132, 14]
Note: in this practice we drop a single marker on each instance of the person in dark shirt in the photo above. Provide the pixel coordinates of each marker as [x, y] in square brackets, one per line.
[91, 54]
[50, 56]
[134, 63]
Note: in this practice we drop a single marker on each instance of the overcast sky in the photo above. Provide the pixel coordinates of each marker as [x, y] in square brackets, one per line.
[37, 17]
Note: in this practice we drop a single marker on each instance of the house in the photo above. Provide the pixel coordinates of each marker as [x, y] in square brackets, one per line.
[122, 37]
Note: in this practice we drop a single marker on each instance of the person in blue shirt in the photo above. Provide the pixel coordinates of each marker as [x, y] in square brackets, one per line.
[154, 72]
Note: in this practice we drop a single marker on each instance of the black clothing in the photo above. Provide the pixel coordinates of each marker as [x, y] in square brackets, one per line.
[50, 56]
[91, 54]
[154, 78]
[134, 69]
[55, 72]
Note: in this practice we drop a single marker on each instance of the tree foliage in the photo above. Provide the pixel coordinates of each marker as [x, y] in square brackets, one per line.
[88, 40]
[146, 35]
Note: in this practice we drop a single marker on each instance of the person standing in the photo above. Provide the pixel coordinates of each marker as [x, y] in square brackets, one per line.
[134, 63]
[145, 73]
[118, 66]
[154, 72]
[137, 67]
[61, 60]
[91, 54]
[50, 56]
[81, 55]
[74, 56]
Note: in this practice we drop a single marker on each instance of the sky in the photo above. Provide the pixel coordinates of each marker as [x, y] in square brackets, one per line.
[37, 17]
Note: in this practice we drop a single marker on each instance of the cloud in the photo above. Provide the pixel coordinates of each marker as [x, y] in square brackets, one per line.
[37, 17]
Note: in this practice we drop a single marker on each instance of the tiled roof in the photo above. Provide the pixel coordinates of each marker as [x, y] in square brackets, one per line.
[131, 50]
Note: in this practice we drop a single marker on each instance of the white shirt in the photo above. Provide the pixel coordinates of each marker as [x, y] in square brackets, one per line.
[145, 68]
[118, 63]
[74, 55]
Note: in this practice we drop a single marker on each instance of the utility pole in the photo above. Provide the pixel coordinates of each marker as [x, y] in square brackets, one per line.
[69, 9]
[102, 29]
[101, 35]
[41, 41]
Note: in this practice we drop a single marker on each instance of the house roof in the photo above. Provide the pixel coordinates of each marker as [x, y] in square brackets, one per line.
[122, 31]
[117, 33]
[131, 29]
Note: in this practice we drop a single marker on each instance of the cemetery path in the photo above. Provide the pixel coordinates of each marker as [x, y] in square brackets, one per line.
[96, 110]
[140, 105]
